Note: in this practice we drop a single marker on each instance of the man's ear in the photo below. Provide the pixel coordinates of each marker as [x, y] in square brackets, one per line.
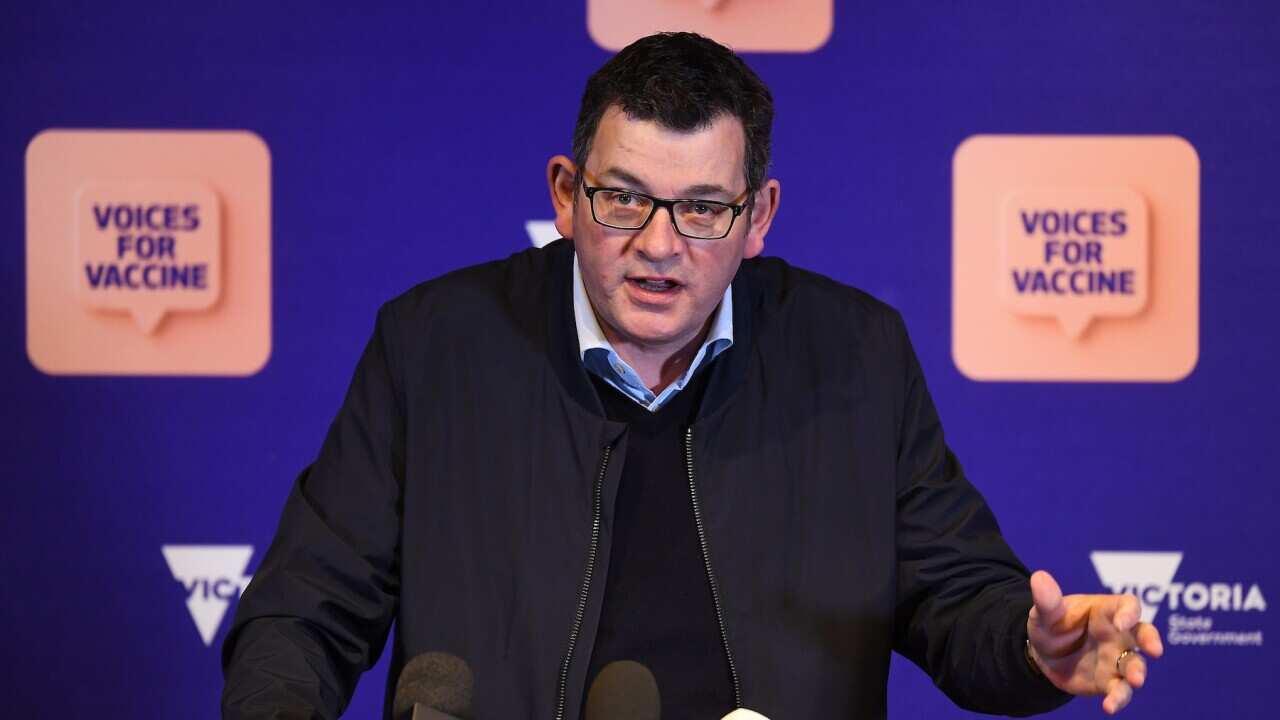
[562, 180]
[766, 205]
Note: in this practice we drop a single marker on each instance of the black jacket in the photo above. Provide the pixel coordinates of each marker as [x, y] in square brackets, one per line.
[466, 487]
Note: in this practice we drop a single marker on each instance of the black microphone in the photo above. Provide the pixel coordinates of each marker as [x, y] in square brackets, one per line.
[433, 686]
[624, 690]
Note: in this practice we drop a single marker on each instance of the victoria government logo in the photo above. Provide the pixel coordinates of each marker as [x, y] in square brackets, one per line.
[1199, 612]
[211, 576]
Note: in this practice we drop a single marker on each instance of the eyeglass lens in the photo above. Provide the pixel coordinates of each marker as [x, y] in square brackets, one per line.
[628, 211]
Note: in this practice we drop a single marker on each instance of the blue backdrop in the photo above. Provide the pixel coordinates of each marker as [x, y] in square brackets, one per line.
[387, 124]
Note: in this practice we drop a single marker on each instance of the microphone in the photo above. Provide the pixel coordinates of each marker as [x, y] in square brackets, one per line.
[623, 690]
[433, 686]
[744, 714]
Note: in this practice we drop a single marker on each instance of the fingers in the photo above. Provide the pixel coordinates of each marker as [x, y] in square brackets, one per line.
[1047, 596]
[1133, 668]
[1125, 612]
[1118, 696]
[1147, 638]
[1052, 644]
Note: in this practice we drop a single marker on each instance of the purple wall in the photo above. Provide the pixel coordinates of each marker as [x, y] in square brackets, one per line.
[384, 126]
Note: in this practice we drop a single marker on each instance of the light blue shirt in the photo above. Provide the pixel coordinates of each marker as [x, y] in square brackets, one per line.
[600, 358]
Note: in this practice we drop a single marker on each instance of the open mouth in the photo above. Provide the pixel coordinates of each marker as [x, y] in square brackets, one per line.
[652, 284]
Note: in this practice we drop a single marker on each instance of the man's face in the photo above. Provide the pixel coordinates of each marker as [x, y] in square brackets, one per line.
[655, 289]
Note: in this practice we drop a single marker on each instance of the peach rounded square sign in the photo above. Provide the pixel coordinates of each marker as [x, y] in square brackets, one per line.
[744, 25]
[1075, 258]
[148, 252]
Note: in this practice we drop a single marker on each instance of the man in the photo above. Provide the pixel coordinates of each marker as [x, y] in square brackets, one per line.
[645, 443]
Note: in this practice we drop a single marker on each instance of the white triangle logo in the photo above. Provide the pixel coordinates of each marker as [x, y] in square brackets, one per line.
[541, 232]
[1145, 574]
[211, 575]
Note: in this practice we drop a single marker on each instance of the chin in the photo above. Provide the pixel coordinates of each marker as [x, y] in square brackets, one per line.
[651, 333]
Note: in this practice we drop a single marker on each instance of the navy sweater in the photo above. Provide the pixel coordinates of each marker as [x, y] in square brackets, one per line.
[658, 609]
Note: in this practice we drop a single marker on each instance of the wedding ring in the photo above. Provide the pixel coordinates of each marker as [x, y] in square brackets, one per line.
[1119, 660]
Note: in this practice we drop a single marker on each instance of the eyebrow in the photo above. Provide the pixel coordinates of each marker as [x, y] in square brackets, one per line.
[693, 192]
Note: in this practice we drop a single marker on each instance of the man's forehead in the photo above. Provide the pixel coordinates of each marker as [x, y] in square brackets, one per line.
[666, 160]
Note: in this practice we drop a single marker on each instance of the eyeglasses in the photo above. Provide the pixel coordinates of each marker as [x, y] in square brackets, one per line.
[623, 209]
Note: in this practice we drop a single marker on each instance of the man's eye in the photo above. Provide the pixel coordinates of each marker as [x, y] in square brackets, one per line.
[624, 199]
[705, 209]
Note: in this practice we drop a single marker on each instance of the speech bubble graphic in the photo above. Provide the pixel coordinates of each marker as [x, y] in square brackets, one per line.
[797, 26]
[1075, 254]
[148, 248]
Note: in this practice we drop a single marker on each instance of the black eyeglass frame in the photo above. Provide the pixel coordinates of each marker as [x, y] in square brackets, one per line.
[669, 204]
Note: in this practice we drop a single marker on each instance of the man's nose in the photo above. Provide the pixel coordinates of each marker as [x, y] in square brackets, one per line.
[659, 240]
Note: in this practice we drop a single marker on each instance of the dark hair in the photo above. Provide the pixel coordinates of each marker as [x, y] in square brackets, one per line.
[683, 81]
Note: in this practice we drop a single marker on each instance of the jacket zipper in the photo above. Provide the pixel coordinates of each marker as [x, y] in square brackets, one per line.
[706, 563]
[593, 551]
[581, 612]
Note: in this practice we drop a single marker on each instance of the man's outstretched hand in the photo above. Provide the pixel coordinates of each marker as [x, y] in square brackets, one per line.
[1076, 640]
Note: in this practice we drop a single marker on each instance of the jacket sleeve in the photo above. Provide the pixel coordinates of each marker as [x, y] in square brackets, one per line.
[317, 612]
[962, 595]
